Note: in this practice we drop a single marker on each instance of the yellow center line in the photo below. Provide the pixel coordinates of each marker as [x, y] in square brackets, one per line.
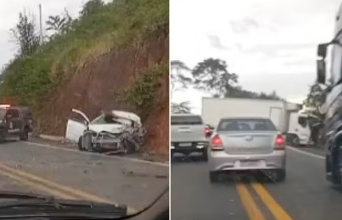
[51, 184]
[277, 211]
[52, 187]
[36, 186]
[252, 209]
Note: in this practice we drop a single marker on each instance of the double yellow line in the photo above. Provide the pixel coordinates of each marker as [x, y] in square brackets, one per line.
[253, 212]
[50, 187]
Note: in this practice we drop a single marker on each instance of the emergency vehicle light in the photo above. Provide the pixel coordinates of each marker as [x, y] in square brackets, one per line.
[4, 106]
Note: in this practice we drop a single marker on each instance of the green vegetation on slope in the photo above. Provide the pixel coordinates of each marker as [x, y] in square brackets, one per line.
[29, 79]
[141, 92]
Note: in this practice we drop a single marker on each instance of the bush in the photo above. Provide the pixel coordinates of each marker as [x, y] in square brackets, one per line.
[142, 90]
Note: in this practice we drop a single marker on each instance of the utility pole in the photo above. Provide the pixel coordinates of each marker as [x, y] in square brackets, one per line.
[40, 24]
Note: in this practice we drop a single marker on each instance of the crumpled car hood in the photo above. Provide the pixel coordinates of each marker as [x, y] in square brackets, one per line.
[112, 128]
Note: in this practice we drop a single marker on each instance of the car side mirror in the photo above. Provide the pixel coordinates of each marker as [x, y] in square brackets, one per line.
[321, 71]
[321, 66]
[322, 50]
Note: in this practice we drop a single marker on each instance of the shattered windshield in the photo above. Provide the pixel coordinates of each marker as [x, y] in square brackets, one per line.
[62, 63]
[110, 119]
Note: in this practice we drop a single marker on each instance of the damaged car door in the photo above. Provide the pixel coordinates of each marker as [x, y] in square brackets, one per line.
[76, 125]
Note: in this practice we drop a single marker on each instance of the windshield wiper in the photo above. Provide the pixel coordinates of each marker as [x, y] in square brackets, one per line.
[20, 195]
[40, 206]
[32, 204]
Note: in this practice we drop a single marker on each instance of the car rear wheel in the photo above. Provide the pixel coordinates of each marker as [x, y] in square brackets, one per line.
[214, 177]
[280, 175]
[205, 155]
[24, 135]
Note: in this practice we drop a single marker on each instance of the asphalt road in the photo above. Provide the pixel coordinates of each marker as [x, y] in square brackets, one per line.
[71, 174]
[304, 195]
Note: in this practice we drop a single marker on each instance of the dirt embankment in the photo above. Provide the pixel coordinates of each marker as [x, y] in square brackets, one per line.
[91, 90]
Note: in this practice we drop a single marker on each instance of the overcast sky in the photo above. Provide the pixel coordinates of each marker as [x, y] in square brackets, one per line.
[9, 11]
[270, 44]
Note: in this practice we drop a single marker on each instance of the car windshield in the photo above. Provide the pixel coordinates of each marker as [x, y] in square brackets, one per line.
[186, 120]
[246, 124]
[108, 119]
[66, 68]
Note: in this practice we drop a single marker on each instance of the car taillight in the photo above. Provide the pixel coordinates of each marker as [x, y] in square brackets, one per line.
[206, 130]
[279, 143]
[216, 143]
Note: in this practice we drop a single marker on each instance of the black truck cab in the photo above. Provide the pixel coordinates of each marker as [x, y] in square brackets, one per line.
[333, 115]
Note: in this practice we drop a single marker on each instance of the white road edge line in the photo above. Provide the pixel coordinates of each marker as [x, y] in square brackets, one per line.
[306, 153]
[99, 155]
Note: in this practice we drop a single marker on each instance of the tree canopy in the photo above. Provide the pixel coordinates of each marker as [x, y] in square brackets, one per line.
[211, 75]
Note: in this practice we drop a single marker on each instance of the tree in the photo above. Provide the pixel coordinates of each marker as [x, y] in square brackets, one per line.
[59, 23]
[25, 35]
[181, 108]
[91, 7]
[55, 23]
[177, 76]
[211, 75]
[316, 98]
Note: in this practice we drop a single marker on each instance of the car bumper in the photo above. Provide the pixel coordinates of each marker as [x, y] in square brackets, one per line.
[176, 147]
[221, 161]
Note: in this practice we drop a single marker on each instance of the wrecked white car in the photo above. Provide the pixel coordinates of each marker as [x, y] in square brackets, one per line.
[118, 131]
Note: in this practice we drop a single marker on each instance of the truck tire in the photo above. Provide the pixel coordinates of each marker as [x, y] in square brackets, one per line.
[24, 135]
[295, 141]
[292, 140]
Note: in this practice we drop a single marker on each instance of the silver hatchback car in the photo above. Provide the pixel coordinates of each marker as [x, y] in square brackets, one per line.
[242, 144]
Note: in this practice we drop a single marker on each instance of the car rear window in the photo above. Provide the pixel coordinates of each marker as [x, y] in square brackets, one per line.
[246, 125]
[2, 113]
[186, 120]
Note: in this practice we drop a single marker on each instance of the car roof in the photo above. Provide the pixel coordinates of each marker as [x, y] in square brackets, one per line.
[240, 118]
[22, 108]
[184, 115]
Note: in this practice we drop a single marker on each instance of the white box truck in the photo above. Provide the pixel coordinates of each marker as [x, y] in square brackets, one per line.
[283, 114]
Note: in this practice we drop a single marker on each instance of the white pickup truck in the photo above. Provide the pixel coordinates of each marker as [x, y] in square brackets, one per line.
[189, 134]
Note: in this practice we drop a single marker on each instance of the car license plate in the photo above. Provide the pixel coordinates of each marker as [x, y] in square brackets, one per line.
[249, 163]
[185, 144]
